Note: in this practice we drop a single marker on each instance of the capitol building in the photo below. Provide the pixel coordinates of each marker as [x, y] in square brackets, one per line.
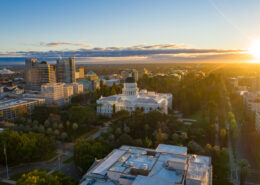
[132, 99]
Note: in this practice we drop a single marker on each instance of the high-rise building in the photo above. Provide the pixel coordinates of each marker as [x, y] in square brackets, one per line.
[66, 70]
[129, 73]
[81, 72]
[38, 73]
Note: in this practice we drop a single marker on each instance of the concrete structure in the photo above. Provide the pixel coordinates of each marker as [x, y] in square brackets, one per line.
[66, 70]
[129, 73]
[9, 109]
[38, 73]
[53, 93]
[131, 99]
[165, 165]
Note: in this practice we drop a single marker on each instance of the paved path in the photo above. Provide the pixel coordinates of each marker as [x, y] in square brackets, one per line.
[7, 181]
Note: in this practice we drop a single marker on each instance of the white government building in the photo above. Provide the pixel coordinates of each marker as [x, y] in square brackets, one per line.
[132, 99]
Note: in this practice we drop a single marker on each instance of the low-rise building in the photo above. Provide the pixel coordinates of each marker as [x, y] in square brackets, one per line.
[167, 164]
[11, 108]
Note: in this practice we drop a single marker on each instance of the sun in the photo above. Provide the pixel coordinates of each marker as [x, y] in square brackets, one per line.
[254, 49]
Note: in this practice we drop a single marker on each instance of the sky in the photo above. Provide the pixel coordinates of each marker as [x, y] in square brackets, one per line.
[60, 27]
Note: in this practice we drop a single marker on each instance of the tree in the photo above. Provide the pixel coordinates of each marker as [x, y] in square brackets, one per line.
[46, 123]
[38, 178]
[64, 135]
[55, 125]
[118, 131]
[75, 126]
[160, 137]
[243, 170]
[60, 126]
[42, 178]
[124, 139]
[148, 143]
[68, 124]
[85, 152]
[35, 122]
[49, 131]
[25, 147]
[57, 132]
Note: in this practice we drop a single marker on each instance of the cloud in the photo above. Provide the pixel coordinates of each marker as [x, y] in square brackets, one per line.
[57, 44]
[142, 52]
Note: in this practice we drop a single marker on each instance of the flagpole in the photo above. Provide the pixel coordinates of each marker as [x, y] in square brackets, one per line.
[6, 164]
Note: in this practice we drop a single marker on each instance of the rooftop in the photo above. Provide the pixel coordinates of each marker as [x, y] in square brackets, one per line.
[167, 164]
[14, 102]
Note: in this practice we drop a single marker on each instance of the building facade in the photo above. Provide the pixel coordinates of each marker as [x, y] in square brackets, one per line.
[38, 73]
[10, 109]
[78, 88]
[131, 99]
[53, 93]
[66, 70]
[167, 164]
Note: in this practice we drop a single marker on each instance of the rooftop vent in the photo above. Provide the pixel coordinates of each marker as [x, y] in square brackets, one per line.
[145, 166]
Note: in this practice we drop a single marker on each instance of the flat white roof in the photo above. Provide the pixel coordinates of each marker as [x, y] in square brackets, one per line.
[108, 162]
[172, 149]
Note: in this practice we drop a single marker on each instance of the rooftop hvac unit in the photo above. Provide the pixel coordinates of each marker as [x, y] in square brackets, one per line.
[145, 166]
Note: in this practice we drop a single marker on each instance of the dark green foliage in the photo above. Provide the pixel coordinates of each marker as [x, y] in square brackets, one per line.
[41, 178]
[85, 152]
[25, 147]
